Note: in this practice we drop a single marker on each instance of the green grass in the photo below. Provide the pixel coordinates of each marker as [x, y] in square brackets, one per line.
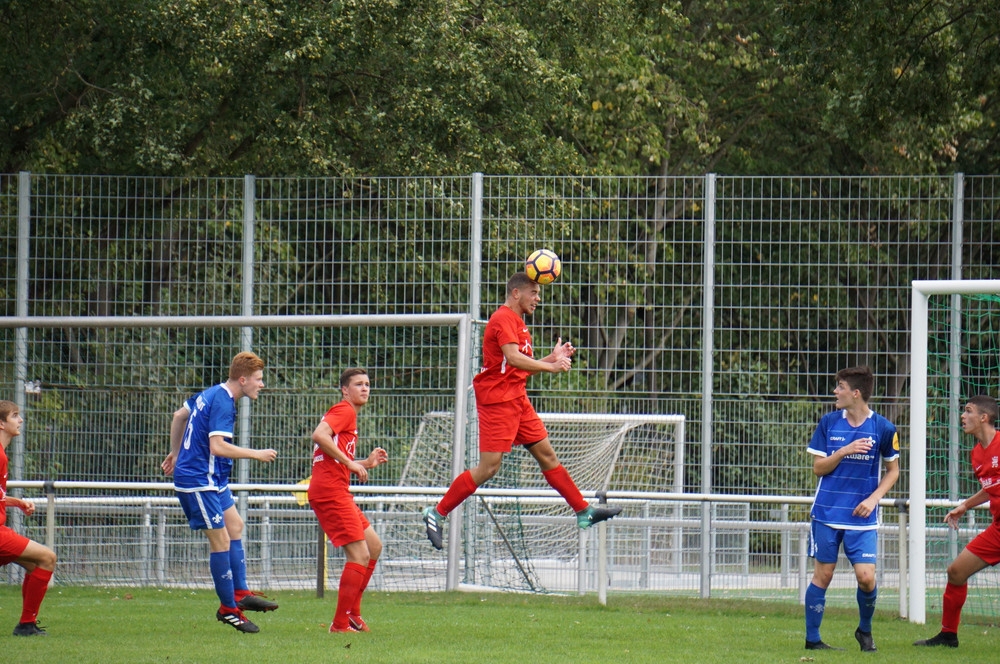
[108, 626]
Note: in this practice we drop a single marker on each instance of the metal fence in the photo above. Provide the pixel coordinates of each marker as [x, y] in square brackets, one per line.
[730, 300]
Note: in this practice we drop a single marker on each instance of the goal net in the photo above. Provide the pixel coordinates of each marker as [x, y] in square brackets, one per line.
[516, 543]
[956, 355]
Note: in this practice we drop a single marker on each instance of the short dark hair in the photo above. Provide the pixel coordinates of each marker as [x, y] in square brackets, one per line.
[986, 405]
[348, 374]
[858, 378]
[6, 408]
[519, 280]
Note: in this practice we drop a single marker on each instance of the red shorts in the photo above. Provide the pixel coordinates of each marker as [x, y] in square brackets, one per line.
[508, 423]
[12, 545]
[986, 545]
[341, 519]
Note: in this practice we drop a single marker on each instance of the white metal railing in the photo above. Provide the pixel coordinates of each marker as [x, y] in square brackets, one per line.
[270, 499]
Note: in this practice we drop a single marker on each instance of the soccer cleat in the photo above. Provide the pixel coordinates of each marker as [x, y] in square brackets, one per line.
[588, 517]
[357, 623]
[819, 645]
[345, 630]
[237, 620]
[434, 521]
[255, 602]
[29, 629]
[949, 639]
[865, 640]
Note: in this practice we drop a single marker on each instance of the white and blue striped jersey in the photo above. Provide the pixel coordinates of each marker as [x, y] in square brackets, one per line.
[211, 413]
[857, 475]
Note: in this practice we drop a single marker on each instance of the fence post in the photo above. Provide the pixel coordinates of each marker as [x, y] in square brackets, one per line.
[904, 567]
[707, 366]
[246, 333]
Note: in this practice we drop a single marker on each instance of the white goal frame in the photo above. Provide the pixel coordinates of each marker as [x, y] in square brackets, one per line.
[922, 290]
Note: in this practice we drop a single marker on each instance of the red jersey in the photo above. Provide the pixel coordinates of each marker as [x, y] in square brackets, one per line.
[497, 381]
[329, 476]
[3, 485]
[986, 466]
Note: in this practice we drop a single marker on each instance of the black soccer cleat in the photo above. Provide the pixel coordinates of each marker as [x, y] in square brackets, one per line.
[949, 639]
[238, 621]
[256, 602]
[819, 645]
[588, 517]
[433, 522]
[29, 629]
[865, 640]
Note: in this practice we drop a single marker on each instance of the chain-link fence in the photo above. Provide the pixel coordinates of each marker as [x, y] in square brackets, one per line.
[784, 280]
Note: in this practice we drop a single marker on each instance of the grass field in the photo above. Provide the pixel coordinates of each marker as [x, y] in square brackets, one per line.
[130, 626]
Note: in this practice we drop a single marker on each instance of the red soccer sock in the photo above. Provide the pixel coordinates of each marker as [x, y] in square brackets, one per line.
[461, 488]
[33, 592]
[351, 581]
[559, 479]
[954, 600]
[356, 609]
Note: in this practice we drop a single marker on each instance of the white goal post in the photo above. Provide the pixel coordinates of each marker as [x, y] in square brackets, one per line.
[921, 292]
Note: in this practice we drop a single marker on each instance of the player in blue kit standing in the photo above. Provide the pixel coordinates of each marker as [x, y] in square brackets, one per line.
[201, 458]
[849, 448]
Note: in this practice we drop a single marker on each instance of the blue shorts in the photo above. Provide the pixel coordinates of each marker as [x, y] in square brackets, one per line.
[860, 546]
[204, 509]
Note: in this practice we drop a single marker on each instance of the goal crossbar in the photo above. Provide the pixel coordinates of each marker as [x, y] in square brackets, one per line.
[921, 292]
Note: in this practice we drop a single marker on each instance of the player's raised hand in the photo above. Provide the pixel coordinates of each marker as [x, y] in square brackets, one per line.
[377, 457]
[26, 506]
[563, 349]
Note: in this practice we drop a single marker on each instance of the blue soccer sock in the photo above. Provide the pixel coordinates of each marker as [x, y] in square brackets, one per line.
[866, 608]
[815, 605]
[238, 563]
[222, 577]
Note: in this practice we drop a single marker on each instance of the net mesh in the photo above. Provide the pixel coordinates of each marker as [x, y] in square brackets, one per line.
[536, 545]
[963, 360]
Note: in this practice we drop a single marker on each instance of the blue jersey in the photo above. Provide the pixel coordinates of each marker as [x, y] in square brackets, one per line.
[857, 475]
[211, 413]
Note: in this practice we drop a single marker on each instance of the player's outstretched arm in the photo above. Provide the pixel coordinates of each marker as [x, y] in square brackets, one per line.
[219, 447]
[519, 360]
[952, 517]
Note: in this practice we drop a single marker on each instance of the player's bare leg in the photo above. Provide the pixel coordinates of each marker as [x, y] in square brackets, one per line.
[461, 488]
[560, 480]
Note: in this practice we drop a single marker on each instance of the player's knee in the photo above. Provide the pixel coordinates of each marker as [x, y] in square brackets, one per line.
[46, 559]
[956, 575]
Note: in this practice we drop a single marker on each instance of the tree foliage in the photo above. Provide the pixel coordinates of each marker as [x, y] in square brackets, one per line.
[455, 86]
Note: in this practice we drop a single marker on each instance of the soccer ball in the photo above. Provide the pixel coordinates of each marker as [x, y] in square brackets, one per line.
[543, 266]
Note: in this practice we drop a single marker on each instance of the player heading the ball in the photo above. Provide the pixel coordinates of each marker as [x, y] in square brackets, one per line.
[506, 416]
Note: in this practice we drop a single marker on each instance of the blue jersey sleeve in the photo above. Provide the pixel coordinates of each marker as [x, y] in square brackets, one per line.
[818, 442]
[888, 441]
[222, 416]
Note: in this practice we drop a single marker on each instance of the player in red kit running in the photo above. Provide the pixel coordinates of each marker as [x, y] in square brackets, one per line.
[978, 419]
[506, 416]
[336, 439]
[38, 561]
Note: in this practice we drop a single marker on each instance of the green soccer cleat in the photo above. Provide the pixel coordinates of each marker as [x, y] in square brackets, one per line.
[588, 517]
[433, 521]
